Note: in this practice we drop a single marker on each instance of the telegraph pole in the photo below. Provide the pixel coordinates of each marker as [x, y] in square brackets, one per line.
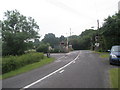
[98, 24]
[119, 6]
[70, 31]
[98, 39]
[67, 44]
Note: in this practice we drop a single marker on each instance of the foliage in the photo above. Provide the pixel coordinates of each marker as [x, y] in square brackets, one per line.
[78, 42]
[54, 42]
[43, 47]
[36, 43]
[17, 31]
[83, 41]
[51, 39]
[0, 38]
[114, 77]
[55, 50]
[73, 40]
[28, 67]
[75, 44]
[10, 63]
[110, 31]
[108, 35]
[62, 38]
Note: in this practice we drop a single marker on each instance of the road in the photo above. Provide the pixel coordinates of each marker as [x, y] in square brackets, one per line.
[77, 69]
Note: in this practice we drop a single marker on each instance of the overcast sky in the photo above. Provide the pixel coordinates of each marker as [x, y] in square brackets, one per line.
[58, 16]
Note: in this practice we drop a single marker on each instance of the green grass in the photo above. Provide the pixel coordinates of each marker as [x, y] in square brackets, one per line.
[115, 78]
[10, 63]
[102, 54]
[96, 52]
[114, 73]
[27, 68]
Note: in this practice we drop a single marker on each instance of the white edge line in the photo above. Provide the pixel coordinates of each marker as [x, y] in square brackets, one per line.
[50, 73]
[61, 71]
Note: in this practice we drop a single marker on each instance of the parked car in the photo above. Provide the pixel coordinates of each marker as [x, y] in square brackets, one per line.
[115, 55]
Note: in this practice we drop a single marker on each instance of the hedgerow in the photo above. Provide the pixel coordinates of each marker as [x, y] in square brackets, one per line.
[11, 63]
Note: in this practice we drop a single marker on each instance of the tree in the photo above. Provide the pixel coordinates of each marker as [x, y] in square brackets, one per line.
[51, 39]
[83, 41]
[110, 31]
[85, 38]
[62, 38]
[17, 31]
[43, 47]
[0, 38]
[36, 43]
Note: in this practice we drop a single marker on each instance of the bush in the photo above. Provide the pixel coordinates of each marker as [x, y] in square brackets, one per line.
[42, 48]
[30, 51]
[10, 63]
[55, 51]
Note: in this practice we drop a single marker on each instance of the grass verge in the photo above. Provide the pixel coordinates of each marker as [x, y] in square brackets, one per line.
[114, 72]
[103, 54]
[27, 68]
[114, 78]
[11, 63]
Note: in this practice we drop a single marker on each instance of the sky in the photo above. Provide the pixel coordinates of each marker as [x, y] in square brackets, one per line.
[58, 16]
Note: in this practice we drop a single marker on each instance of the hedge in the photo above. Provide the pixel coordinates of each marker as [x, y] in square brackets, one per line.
[10, 63]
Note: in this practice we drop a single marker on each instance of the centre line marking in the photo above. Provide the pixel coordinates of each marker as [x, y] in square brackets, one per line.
[50, 73]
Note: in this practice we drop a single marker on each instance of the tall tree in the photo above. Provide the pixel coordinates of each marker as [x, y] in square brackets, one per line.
[110, 31]
[62, 38]
[83, 41]
[17, 31]
[51, 39]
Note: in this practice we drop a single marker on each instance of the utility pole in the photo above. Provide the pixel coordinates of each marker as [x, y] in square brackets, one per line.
[67, 44]
[70, 31]
[98, 37]
[70, 36]
[98, 24]
[119, 6]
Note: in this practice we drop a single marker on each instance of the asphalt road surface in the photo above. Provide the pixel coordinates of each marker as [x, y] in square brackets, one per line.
[77, 69]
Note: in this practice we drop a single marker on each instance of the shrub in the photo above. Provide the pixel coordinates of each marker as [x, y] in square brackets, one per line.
[55, 51]
[42, 48]
[10, 63]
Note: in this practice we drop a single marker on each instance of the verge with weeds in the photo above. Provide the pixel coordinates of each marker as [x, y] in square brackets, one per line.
[14, 65]
[115, 78]
[27, 68]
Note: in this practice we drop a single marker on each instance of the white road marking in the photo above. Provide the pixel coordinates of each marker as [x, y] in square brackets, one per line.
[74, 61]
[50, 74]
[61, 71]
[58, 61]
[60, 57]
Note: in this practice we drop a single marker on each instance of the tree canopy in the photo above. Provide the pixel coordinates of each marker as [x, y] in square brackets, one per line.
[17, 31]
[110, 31]
[51, 39]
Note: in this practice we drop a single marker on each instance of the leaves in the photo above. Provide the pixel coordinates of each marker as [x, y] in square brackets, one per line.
[51, 39]
[111, 31]
[17, 31]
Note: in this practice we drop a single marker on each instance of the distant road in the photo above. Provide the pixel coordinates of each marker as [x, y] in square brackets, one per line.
[77, 69]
